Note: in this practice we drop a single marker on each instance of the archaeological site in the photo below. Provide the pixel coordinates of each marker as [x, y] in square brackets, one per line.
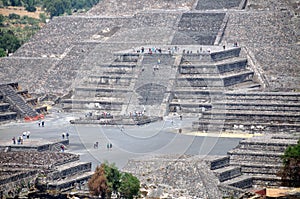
[198, 68]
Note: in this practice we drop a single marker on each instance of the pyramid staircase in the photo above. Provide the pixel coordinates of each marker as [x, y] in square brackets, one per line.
[106, 90]
[22, 104]
[134, 84]
[255, 161]
[153, 86]
[219, 89]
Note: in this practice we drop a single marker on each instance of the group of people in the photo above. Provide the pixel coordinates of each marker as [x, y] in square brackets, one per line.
[20, 139]
[108, 146]
[137, 113]
[41, 123]
[150, 50]
[65, 135]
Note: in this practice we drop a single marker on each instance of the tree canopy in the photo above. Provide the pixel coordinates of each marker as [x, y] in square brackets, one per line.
[290, 172]
[8, 41]
[130, 186]
[107, 179]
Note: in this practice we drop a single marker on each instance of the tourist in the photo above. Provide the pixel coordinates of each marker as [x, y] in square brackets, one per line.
[107, 146]
[110, 146]
[67, 135]
[63, 135]
[21, 139]
[28, 134]
[96, 145]
[24, 134]
[43, 123]
[158, 61]
[142, 49]
[14, 140]
[39, 123]
[180, 116]
[62, 148]
[224, 47]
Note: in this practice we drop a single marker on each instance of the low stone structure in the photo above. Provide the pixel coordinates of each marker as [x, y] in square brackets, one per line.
[40, 168]
[253, 163]
[174, 177]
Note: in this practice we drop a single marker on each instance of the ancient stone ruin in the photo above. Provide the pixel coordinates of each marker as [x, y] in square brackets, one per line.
[39, 166]
[16, 102]
[253, 163]
[230, 65]
[197, 58]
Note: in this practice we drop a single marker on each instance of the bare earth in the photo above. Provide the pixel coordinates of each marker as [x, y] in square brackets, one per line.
[21, 11]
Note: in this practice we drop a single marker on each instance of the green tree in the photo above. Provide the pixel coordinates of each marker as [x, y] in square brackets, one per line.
[2, 52]
[30, 8]
[14, 16]
[2, 19]
[130, 186]
[113, 177]
[5, 2]
[8, 41]
[43, 17]
[57, 7]
[290, 172]
[15, 3]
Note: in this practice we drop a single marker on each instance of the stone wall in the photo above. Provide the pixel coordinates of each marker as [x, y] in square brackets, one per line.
[34, 159]
[271, 41]
[127, 8]
[198, 28]
[216, 4]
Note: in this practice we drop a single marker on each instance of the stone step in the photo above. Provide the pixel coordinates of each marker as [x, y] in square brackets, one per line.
[267, 180]
[257, 168]
[278, 140]
[250, 126]
[248, 85]
[259, 157]
[70, 169]
[69, 181]
[100, 101]
[227, 173]
[112, 76]
[210, 77]
[234, 105]
[96, 111]
[249, 114]
[238, 151]
[4, 107]
[6, 116]
[242, 182]
[218, 162]
[220, 67]
[258, 96]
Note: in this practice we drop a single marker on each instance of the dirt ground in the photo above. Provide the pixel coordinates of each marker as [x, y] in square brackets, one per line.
[20, 11]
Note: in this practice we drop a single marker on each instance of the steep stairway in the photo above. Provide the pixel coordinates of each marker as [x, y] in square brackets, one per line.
[17, 102]
[259, 157]
[153, 85]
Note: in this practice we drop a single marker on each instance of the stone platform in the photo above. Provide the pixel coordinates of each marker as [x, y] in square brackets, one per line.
[38, 163]
[33, 144]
